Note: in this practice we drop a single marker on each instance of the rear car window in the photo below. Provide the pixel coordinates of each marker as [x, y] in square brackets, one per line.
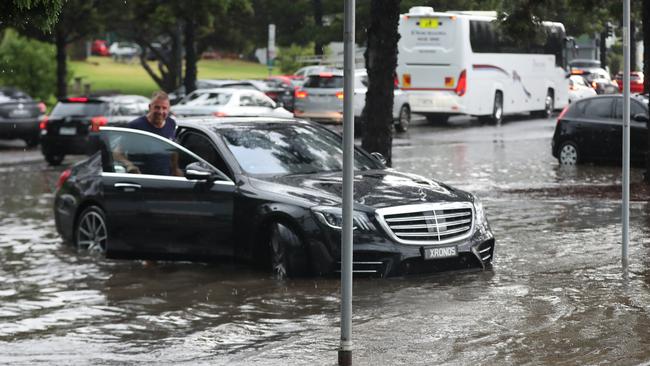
[66, 109]
[319, 81]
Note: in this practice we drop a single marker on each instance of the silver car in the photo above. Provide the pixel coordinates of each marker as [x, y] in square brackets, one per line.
[321, 99]
[222, 102]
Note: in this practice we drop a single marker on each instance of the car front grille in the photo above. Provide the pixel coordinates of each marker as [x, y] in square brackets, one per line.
[431, 223]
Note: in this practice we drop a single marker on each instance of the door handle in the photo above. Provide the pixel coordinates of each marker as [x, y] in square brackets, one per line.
[127, 187]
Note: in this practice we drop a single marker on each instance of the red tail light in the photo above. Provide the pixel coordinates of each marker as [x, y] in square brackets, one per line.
[41, 107]
[396, 82]
[97, 122]
[461, 87]
[339, 94]
[63, 178]
[43, 124]
[301, 94]
[219, 114]
[78, 100]
[562, 114]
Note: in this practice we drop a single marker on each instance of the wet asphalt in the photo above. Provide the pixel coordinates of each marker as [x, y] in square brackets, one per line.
[557, 294]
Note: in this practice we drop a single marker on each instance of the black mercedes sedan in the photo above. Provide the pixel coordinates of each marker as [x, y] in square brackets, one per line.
[265, 191]
[591, 130]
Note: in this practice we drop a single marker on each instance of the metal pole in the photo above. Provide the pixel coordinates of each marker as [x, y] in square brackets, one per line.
[345, 350]
[626, 132]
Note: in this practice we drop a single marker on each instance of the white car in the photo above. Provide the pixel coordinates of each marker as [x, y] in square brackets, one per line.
[221, 102]
[123, 51]
[578, 88]
[320, 98]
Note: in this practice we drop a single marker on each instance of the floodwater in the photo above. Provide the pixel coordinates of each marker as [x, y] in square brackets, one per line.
[556, 296]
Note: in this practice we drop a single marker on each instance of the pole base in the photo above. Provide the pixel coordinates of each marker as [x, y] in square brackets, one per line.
[345, 358]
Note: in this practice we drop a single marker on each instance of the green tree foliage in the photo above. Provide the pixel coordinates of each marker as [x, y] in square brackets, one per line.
[288, 57]
[27, 64]
[20, 14]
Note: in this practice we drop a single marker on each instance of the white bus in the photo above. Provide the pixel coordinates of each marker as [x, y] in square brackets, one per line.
[455, 63]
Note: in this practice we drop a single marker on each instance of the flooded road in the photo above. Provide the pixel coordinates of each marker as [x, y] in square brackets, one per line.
[556, 294]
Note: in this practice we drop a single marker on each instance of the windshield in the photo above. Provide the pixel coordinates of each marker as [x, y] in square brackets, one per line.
[63, 109]
[282, 149]
[324, 81]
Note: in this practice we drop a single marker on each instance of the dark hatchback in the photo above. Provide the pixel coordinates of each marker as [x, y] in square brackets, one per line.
[66, 130]
[20, 116]
[264, 191]
[591, 129]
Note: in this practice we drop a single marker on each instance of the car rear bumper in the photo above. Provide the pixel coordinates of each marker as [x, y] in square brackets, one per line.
[436, 101]
[19, 128]
[323, 117]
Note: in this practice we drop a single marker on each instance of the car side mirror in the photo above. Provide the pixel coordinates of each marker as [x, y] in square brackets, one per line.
[379, 157]
[199, 171]
[640, 117]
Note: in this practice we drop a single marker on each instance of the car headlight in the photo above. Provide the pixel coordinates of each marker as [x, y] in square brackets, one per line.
[479, 213]
[333, 217]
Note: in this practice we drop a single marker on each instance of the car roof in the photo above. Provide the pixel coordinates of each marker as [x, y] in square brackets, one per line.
[215, 123]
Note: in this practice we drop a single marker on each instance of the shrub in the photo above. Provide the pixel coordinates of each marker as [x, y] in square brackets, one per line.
[28, 65]
[289, 58]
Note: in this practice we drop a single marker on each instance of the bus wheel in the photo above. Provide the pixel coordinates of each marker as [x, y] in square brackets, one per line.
[549, 105]
[497, 111]
[437, 118]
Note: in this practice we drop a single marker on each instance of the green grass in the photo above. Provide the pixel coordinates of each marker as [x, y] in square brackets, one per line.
[103, 74]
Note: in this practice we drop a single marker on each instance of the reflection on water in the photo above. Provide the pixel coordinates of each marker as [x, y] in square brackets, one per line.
[555, 297]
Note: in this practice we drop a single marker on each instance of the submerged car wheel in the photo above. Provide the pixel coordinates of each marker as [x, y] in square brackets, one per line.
[287, 252]
[402, 124]
[91, 232]
[569, 154]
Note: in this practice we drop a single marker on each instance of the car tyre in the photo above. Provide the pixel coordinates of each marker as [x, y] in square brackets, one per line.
[404, 120]
[286, 252]
[54, 159]
[568, 154]
[91, 231]
[32, 141]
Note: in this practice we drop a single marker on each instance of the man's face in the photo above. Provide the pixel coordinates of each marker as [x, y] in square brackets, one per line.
[158, 111]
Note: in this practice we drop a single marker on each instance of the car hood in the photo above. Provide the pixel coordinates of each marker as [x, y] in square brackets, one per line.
[372, 188]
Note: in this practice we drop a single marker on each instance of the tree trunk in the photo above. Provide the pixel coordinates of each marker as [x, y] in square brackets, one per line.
[61, 66]
[632, 45]
[190, 57]
[318, 20]
[646, 80]
[381, 61]
[603, 49]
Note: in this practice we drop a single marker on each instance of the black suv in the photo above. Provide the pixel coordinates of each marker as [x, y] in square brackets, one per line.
[20, 116]
[66, 130]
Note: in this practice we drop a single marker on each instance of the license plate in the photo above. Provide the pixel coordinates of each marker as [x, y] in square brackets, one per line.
[441, 252]
[67, 131]
[429, 23]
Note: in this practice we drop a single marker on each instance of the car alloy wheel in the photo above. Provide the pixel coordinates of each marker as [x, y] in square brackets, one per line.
[568, 154]
[91, 232]
[287, 254]
[404, 119]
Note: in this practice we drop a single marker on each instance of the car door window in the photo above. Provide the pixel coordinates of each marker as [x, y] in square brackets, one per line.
[598, 108]
[635, 108]
[260, 101]
[201, 146]
[246, 100]
[141, 153]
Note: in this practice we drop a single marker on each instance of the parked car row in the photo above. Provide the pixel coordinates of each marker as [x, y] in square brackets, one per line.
[264, 191]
